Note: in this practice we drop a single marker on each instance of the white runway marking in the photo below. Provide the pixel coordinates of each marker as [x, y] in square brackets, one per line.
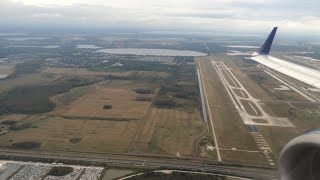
[291, 87]
[253, 103]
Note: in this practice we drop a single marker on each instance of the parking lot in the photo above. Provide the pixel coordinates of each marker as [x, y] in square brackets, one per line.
[14, 170]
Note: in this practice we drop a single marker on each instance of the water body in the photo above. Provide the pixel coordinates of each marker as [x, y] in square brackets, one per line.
[12, 34]
[25, 38]
[243, 46]
[87, 46]
[26, 46]
[237, 53]
[151, 52]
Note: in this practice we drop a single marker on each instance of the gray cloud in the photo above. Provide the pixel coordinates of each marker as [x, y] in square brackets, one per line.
[292, 16]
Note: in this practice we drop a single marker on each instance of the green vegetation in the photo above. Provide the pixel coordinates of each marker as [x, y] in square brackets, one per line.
[60, 171]
[165, 103]
[17, 127]
[182, 59]
[107, 107]
[26, 145]
[35, 99]
[129, 65]
[27, 68]
[8, 122]
[75, 140]
[143, 98]
[143, 90]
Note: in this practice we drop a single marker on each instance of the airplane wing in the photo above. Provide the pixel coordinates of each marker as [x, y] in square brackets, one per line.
[301, 73]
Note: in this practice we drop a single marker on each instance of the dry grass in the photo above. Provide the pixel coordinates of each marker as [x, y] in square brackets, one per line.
[81, 72]
[85, 72]
[89, 102]
[169, 131]
[96, 136]
[257, 158]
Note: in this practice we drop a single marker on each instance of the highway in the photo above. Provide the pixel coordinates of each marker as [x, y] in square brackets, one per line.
[147, 162]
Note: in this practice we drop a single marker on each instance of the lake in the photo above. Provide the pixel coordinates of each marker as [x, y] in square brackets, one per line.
[151, 52]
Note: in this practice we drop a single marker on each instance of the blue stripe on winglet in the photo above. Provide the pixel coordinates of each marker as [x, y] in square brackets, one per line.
[265, 49]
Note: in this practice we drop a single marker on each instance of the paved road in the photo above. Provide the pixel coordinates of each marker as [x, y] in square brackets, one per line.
[182, 163]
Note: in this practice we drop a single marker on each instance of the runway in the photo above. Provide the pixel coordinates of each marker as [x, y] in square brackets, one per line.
[248, 107]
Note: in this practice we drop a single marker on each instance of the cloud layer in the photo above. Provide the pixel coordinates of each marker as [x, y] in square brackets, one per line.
[292, 16]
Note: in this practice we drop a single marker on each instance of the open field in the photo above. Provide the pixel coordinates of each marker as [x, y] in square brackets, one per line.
[85, 72]
[169, 131]
[102, 110]
[57, 133]
[300, 115]
[78, 118]
[90, 102]
[244, 157]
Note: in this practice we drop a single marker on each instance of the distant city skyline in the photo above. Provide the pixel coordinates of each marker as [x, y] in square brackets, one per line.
[244, 16]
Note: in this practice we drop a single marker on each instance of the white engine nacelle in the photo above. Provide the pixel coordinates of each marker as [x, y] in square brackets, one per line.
[300, 158]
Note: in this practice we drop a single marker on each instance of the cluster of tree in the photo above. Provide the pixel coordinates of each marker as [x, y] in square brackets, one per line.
[143, 90]
[16, 127]
[129, 65]
[27, 68]
[182, 59]
[35, 98]
[60, 171]
[166, 103]
[8, 122]
[26, 145]
[107, 107]
[75, 140]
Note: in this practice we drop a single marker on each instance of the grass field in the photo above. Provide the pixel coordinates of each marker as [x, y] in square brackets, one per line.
[89, 101]
[101, 111]
[55, 133]
[169, 131]
[243, 157]
[303, 116]
[85, 72]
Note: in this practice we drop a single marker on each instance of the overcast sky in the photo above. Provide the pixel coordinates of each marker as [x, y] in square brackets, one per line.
[293, 16]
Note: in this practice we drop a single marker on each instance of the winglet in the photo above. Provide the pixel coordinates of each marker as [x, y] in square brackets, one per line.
[265, 49]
